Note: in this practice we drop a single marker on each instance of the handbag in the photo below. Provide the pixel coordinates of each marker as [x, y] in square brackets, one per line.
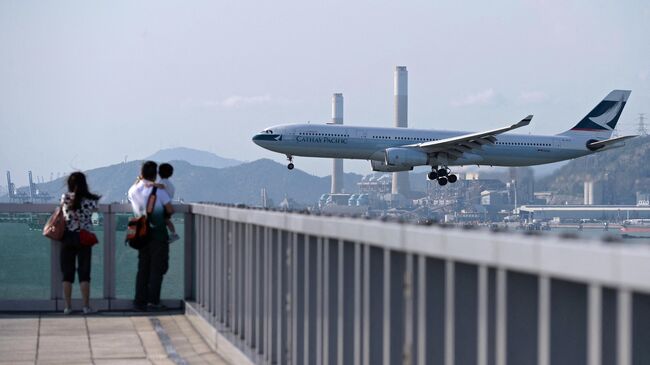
[87, 238]
[55, 225]
[137, 232]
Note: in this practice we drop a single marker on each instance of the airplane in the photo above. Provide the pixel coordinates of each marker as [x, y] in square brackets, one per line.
[401, 149]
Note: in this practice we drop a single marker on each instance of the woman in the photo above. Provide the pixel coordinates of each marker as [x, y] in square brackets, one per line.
[78, 206]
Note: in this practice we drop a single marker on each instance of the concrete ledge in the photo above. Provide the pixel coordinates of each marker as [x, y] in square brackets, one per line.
[27, 305]
[217, 340]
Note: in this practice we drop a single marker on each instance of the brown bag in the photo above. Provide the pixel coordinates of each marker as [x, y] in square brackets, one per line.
[55, 225]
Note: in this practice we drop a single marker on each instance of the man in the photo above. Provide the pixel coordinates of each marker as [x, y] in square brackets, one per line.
[153, 259]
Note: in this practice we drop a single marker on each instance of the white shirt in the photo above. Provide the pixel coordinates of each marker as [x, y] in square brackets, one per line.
[169, 187]
[139, 194]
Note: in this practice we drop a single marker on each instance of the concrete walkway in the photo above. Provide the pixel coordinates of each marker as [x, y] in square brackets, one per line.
[104, 338]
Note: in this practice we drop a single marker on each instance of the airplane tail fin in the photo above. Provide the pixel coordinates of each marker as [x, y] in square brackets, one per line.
[601, 120]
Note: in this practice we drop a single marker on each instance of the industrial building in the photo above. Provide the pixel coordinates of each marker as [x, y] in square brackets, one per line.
[617, 213]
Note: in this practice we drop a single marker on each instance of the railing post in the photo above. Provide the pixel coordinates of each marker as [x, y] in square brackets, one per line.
[594, 324]
[501, 316]
[55, 271]
[365, 330]
[319, 301]
[409, 303]
[482, 351]
[544, 321]
[624, 319]
[421, 311]
[386, 315]
[109, 247]
[449, 312]
[359, 304]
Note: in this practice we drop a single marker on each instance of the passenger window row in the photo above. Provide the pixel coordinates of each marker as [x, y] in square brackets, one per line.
[406, 138]
[524, 144]
[323, 134]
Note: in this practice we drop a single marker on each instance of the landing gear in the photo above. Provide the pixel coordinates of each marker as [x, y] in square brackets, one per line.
[443, 175]
[290, 165]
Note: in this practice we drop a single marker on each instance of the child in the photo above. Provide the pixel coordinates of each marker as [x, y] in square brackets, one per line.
[165, 171]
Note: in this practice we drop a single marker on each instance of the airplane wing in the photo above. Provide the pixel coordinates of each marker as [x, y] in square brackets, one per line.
[454, 147]
[612, 142]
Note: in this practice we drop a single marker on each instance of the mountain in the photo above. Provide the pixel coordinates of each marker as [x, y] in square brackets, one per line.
[237, 184]
[620, 172]
[194, 157]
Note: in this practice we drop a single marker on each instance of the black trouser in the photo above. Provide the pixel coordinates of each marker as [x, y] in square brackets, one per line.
[153, 262]
[74, 256]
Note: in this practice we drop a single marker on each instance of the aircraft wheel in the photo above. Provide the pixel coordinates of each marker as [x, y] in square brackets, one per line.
[442, 172]
[290, 166]
[432, 175]
[452, 178]
[442, 181]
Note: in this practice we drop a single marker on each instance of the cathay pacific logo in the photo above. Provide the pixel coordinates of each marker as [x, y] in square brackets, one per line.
[608, 115]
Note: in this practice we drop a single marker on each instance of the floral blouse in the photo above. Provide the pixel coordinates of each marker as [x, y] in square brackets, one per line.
[80, 218]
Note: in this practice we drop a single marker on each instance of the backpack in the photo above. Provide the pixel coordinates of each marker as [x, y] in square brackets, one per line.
[138, 228]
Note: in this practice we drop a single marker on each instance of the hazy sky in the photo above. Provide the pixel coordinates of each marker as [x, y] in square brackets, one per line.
[84, 84]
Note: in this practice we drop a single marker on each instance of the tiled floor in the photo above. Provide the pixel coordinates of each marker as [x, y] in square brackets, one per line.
[104, 338]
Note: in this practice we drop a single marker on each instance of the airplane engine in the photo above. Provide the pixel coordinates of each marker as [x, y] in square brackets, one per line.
[382, 167]
[405, 157]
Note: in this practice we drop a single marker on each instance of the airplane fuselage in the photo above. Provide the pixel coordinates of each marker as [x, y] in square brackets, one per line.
[370, 143]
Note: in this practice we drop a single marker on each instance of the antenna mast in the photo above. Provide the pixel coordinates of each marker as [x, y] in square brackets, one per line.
[641, 129]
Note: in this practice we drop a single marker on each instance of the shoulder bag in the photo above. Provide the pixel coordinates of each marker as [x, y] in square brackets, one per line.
[55, 225]
[137, 232]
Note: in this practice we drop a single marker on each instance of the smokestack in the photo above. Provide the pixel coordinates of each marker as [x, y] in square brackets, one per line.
[401, 179]
[337, 167]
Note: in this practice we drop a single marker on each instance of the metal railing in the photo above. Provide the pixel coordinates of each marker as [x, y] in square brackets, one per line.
[299, 289]
[108, 299]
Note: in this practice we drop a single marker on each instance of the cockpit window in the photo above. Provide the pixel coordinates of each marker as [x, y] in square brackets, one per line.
[267, 131]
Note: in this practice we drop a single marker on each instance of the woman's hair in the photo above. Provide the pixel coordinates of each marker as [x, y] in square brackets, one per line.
[77, 185]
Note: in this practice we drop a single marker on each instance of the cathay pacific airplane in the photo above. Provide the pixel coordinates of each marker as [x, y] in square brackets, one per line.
[400, 149]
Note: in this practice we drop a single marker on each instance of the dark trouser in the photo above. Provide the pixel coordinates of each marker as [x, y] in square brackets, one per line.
[74, 257]
[153, 262]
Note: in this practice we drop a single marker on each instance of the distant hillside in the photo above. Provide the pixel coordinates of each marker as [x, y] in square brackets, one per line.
[237, 184]
[622, 172]
[194, 157]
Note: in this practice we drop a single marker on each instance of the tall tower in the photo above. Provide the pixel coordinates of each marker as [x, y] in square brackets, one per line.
[401, 179]
[337, 167]
[641, 128]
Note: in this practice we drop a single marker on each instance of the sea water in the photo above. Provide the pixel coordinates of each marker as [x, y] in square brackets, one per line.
[25, 263]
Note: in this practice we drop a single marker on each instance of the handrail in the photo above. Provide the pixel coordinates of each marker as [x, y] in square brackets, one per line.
[576, 259]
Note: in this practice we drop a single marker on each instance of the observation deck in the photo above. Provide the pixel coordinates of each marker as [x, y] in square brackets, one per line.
[270, 287]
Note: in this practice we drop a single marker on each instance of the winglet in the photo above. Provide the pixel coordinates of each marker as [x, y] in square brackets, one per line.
[523, 122]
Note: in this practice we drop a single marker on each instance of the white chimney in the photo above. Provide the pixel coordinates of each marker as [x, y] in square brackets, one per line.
[401, 179]
[337, 168]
